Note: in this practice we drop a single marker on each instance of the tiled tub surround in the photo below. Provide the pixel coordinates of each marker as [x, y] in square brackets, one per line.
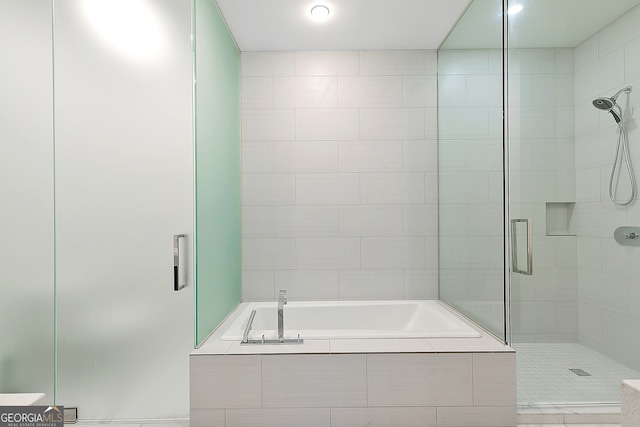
[339, 171]
[353, 382]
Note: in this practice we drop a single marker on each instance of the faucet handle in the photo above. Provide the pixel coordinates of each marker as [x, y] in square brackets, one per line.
[283, 296]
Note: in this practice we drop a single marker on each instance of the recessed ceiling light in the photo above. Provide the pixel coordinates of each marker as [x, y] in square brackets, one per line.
[516, 8]
[320, 12]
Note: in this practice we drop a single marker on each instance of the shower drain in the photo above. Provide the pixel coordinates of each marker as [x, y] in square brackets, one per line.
[580, 372]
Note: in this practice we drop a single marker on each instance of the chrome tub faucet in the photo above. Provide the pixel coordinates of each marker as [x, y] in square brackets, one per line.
[282, 300]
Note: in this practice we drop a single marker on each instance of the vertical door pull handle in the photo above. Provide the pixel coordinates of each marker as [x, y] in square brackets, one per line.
[514, 247]
[176, 262]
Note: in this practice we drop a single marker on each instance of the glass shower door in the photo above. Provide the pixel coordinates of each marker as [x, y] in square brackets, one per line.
[567, 309]
[471, 184]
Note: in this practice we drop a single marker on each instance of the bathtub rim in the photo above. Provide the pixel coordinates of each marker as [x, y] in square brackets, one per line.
[486, 343]
[234, 330]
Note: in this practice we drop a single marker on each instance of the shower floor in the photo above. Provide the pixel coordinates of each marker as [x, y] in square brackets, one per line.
[544, 376]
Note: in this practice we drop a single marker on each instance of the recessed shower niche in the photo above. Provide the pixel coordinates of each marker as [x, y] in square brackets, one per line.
[558, 218]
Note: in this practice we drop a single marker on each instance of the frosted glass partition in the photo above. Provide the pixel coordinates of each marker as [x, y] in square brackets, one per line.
[470, 145]
[26, 191]
[124, 187]
[218, 216]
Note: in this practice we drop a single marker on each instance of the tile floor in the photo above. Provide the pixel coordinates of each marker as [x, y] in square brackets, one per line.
[186, 424]
[544, 378]
[150, 423]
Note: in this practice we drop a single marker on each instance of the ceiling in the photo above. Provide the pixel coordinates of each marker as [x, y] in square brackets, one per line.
[264, 25]
[267, 25]
[542, 23]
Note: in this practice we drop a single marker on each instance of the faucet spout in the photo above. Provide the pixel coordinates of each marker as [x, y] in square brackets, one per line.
[282, 300]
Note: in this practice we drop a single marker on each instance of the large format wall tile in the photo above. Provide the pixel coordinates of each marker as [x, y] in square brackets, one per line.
[319, 381]
[419, 379]
[341, 145]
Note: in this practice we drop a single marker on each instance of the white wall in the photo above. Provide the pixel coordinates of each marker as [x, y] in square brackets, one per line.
[339, 175]
[609, 294]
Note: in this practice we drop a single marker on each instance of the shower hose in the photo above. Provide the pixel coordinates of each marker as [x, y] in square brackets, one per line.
[622, 156]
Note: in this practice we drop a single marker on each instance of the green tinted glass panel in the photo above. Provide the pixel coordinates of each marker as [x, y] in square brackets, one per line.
[27, 326]
[218, 215]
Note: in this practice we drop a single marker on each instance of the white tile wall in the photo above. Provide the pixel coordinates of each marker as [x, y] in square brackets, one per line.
[305, 156]
[393, 252]
[257, 157]
[327, 124]
[340, 174]
[314, 381]
[492, 383]
[476, 417]
[244, 390]
[265, 253]
[392, 188]
[369, 91]
[415, 379]
[305, 221]
[327, 189]
[268, 189]
[371, 284]
[392, 123]
[333, 63]
[371, 220]
[620, 32]
[281, 417]
[268, 124]
[370, 156]
[305, 92]
[358, 383]
[305, 285]
[394, 63]
[328, 253]
[260, 285]
[267, 64]
[257, 221]
[420, 156]
[374, 417]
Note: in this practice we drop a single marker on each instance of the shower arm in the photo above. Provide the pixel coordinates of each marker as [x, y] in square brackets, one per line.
[624, 89]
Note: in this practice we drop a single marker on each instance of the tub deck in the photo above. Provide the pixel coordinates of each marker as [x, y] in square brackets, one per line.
[468, 381]
[479, 341]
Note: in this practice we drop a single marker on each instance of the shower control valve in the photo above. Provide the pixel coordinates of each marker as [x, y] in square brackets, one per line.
[627, 235]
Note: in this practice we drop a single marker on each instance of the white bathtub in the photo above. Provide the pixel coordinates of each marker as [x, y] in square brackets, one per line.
[352, 319]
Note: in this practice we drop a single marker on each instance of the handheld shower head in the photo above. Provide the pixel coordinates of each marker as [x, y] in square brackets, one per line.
[603, 103]
[609, 104]
[622, 149]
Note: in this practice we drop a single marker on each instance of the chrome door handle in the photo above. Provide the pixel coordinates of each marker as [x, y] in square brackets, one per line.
[514, 247]
[176, 262]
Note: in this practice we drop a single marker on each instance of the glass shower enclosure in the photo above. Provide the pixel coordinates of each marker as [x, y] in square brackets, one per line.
[109, 152]
[526, 221]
